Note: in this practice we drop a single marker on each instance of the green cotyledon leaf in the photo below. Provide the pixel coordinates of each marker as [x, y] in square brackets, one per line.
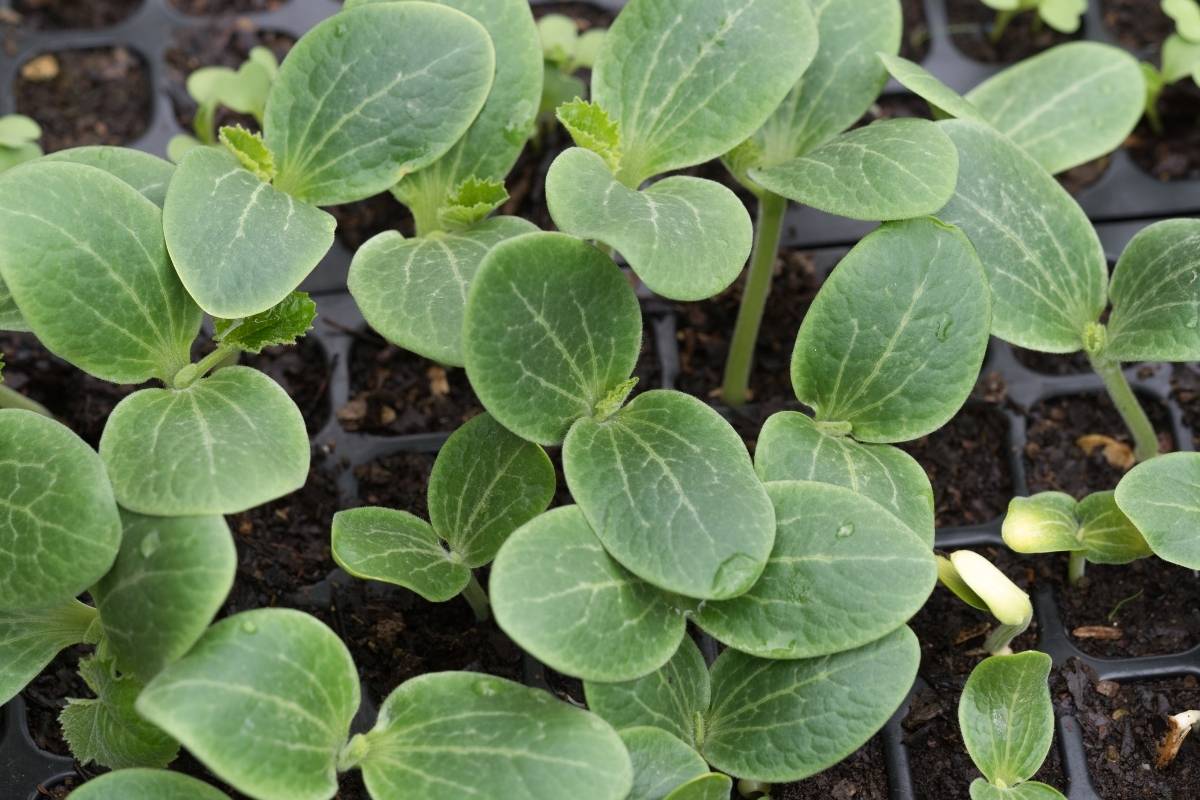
[1030, 790]
[1006, 717]
[922, 83]
[280, 670]
[1109, 535]
[712, 786]
[894, 341]
[144, 172]
[146, 784]
[661, 762]
[394, 546]
[31, 638]
[1052, 522]
[360, 101]
[1161, 497]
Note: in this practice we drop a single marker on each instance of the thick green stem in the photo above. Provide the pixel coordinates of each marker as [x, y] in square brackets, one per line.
[1076, 566]
[194, 372]
[771, 209]
[11, 398]
[1000, 641]
[1144, 438]
[477, 598]
[1003, 18]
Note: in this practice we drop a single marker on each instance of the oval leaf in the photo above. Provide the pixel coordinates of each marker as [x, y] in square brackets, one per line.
[146, 784]
[894, 341]
[1006, 718]
[10, 315]
[229, 442]
[144, 172]
[712, 786]
[922, 83]
[1161, 498]
[31, 638]
[669, 489]
[278, 671]
[1043, 523]
[560, 596]
[382, 544]
[1032, 790]
[661, 762]
[1109, 535]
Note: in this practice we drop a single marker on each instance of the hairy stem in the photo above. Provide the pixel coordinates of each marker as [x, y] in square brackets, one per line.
[477, 598]
[771, 209]
[11, 398]
[1076, 566]
[194, 372]
[1144, 438]
[998, 643]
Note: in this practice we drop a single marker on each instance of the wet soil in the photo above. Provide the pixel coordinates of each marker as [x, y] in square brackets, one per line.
[1137, 24]
[302, 370]
[972, 22]
[1053, 363]
[862, 776]
[1185, 387]
[73, 14]
[1174, 153]
[914, 42]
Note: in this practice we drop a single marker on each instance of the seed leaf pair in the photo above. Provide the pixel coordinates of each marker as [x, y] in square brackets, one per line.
[979, 584]
[1161, 498]
[663, 765]
[1053, 522]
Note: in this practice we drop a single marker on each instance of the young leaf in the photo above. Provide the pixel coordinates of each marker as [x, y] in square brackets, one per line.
[986, 587]
[592, 129]
[229, 442]
[661, 762]
[60, 530]
[1161, 498]
[31, 638]
[895, 169]
[106, 729]
[1186, 16]
[828, 538]
[1156, 295]
[686, 238]
[450, 735]
[560, 596]
[250, 151]
[669, 489]
[1043, 523]
[791, 446]
[1030, 790]
[712, 786]
[1042, 257]
[1180, 58]
[146, 784]
[280, 670]
[414, 291]
[169, 580]
[1109, 535]
[948, 576]
[144, 172]
[18, 130]
[239, 245]
[344, 127]
[471, 202]
[108, 301]
[284, 323]
[894, 352]
[383, 544]
[1006, 718]
[922, 83]
[552, 326]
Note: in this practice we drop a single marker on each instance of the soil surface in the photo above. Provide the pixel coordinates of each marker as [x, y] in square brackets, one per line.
[200, 7]
[914, 43]
[972, 22]
[1137, 24]
[63, 14]
[1053, 363]
[1185, 384]
[1173, 154]
[862, 776]
[302, 370]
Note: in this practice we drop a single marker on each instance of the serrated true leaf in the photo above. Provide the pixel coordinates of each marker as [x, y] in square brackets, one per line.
[827, 538]
[413, 292]
[1030, 790]
[239, 245]
[283, 323]
[1042, 257]
[250, 151]
[31, 638]
[552, 326]
[60, 528]
[1109, 535]
[169, 580]
[894, 169]
[394, 546]
[563, 599]
[592, 129]
[449, 735]
[1155, 293]
[281, 671]
[922, 83]
[108, 301]
[668, 487]
[686, 238]
[712, 786]
[1161, 498]
[144, 172]
[894, 341]
[471, 202]
[344, 126]
[146, 784]
[1006, 718]
[661, 762]
[228, 442]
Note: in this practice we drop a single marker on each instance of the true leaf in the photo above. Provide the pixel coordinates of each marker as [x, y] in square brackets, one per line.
[239, 245]
[1030, 790]
[31, 638]
[552, 326]
[108, 301]
[894, 341]
[250, 151]
[563, 599]
[712, 786]
[592, 129]
[394, 546]
[60, 529]
[144, 172]
[1161, 498]
[229, 442]
[1006, 718]
[669, 489]
[686, 238]
[1109, 535]
[146, 784]
[280, 670]
[922, 83]
[1042, 257]
[283, 323]
[661, 762]
[414, 291]
[471, 202]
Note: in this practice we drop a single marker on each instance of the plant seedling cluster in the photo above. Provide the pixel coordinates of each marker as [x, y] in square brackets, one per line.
[1180, 55]
[1063, 16]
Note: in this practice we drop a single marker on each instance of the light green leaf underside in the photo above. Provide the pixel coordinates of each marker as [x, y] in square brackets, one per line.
[1043, 259]
[390, 545]
[360, 101]
[982, 790]
[144, 172]
[281, 671]
[688, 80]
[844, 572]
[1162, 498]
[1109, 535]
[1066, 106]
[560, 596]
[169, 580]
[661, 762]
[1155, 293]
[780, 721]
[921, 82]
[486, 483]
[59, 526]
[686, 238]
[1006, 717]
[414, 291]
[669, 489]
[30, 639]
[229, 442]
[10, 315]
[451, 735]
[1043, 523]
[840, 84]
[552, 326]
[895, 169]
[146, 784]
[108, 300]
[792, 447]
[894, 341]
[239, 245]
[712, 786]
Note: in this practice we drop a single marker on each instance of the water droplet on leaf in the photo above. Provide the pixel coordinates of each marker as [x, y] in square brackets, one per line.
[484, 688]
[340, 30]
[249, 627]
[845, 531]
[149, 544]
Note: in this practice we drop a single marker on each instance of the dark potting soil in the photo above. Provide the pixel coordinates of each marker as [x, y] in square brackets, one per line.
[63, 14]
[203, 7]
[1122, 725]
[95, 96]
[972, 22]
[46, 696]
[1076, 179]
[914, 42]
[1053, 363]
[1137, 24]
[358, 222]
[398, 481]
[1173, 154]
[1185, 387]
[302, 370]
[1054, 461]
[862, 776]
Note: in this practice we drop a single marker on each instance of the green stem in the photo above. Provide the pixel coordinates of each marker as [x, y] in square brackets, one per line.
[771, 210]
[1076, 566]
[1003, 18]
[477, 598]
[998, 643]
[1144, 438]
[11, 398]
[194, 372]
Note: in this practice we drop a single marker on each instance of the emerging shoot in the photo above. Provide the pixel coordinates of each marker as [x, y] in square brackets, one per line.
[980, 585]
[1178, 728]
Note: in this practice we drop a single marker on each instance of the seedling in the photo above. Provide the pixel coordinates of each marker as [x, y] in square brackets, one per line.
[1180, 56]
[1007, 723]
[486, 483]
[1092, 530]
[565, 51]
[1062, 15]
[980, 585]
[243, 90]
[1178, 728]
[1161, 498]
[18, 140]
